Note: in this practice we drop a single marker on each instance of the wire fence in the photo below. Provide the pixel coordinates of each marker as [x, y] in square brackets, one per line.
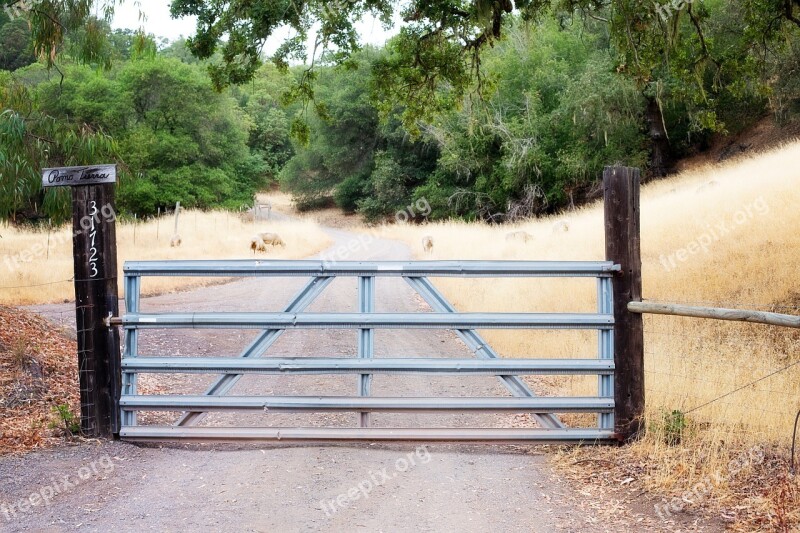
[12, 287]
[732, 376]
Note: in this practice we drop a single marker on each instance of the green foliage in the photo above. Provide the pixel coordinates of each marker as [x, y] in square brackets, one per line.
[246, 24]
[16, 47]
[698, 55]
[179, 50]
[387, 191]
[350, 156]
[486, 109]
[423, 92]
[30, 139]
[271, 130]
[557, 116]
[686, 51]
[440, 196]
[672, 427]
[350, 192]
[66, 418]
[187, 140]
[702, 63]
[182, 140]
[73, 23]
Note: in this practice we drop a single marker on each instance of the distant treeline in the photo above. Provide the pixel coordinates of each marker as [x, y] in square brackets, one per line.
[555, 103]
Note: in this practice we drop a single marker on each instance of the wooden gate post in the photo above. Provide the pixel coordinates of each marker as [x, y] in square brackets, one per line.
[96, 298]
[622, 228]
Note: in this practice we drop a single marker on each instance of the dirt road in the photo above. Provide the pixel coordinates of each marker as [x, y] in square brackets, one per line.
[96, 487]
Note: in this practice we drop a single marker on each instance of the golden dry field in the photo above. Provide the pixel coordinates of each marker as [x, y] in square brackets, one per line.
[36, 266]
[722, 235]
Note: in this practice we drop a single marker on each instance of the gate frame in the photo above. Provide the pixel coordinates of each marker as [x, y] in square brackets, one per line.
[626, 342]
[444, 316]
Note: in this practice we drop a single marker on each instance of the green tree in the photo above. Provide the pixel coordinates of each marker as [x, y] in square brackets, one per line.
[440, 41]
[182, 140]
[350, 151]
[16, 47]
[186, 141]
[556, 115]
[263, 102]
[690, 60]
[30, 138]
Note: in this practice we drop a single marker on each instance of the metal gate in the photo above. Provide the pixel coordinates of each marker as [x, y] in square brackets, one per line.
[252, 360]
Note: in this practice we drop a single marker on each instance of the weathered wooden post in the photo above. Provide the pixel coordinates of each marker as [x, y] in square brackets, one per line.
[96, 298]
[622, 226]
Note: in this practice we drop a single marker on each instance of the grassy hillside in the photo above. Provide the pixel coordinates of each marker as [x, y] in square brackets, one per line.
[720, 235]
[723, 235]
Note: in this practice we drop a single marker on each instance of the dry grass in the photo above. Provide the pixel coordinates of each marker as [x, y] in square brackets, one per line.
[687, 257]
[205, 235]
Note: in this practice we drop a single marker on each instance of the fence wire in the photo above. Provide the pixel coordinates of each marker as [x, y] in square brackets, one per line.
[86, 368]
[734, 376]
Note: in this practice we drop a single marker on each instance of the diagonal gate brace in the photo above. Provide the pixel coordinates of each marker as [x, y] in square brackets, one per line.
[479, 346]
[261, 344]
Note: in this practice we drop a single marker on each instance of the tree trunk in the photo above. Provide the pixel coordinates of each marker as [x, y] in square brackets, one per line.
[661, 157]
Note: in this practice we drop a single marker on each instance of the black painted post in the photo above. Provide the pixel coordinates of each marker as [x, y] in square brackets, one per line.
[94, 245]
[622, 227]
[96, 298]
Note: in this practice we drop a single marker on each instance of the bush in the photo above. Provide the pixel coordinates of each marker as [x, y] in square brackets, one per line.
[671, 427]
[350, 192]
[66, 418]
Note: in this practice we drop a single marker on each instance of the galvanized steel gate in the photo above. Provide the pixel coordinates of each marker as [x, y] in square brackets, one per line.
[444, 316]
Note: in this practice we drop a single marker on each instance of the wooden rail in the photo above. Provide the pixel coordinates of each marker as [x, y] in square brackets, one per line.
[716, 313]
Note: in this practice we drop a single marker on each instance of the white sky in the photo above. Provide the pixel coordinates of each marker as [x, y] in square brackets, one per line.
[160, 24]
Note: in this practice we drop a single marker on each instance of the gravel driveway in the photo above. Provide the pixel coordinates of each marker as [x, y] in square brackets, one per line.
[98, 486]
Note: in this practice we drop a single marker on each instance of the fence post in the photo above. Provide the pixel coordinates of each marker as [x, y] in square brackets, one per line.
[621, 197]
[96, 298]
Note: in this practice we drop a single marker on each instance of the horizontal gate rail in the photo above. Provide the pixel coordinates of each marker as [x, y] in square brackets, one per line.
[318, 365]
[255, 268]
[370, 320]
[365, 404]
[476, 343]
[261, 343]
[365, 435]
[444, 316]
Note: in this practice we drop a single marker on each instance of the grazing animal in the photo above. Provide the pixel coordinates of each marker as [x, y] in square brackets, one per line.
[272, 238]
[427, 244]
[175, 241]
[258, 245]
[522, 236]
[562, 226]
